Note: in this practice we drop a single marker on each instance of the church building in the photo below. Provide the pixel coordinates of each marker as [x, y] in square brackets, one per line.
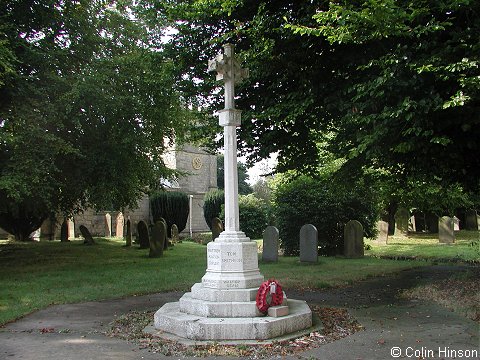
[200, 176]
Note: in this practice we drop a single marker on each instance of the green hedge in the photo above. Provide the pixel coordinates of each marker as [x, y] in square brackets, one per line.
[172, 206]
[325, 204]
[212, 205]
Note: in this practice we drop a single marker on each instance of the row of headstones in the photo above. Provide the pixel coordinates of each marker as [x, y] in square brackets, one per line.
[155, 239]
[352, 247]
[446, 230]
[405, 222]
[67, 229]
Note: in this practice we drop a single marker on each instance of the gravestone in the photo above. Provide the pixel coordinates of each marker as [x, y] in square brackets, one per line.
[217, 228]
[128, 230]
[456, 224]
[35, 236]
[446, 234]
[64, 231]
[165, 241]
[71, 229]
[270, 244]
[353, 239]
[472, 220]
[382, 232]
[157, 240]
[174, 231]
[402, 217]
[119, 226]
[108, 225]
[143, 236]
[88, 239]
[308, 243]
[412, 224]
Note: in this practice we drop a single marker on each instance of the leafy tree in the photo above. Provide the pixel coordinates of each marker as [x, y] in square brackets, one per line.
[389, 85]
[243, 187]
[85, 106]
[411, 103]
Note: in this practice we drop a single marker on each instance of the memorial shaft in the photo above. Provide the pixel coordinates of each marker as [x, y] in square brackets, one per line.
[232, 222]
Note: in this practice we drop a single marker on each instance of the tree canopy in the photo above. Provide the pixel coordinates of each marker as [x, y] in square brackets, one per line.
[389, 85]
[243, 187]
[86, 103]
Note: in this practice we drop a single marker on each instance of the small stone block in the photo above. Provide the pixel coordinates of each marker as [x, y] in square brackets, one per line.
[278, 311]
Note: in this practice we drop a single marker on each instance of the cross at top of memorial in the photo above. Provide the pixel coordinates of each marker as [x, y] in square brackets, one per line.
[229, 70]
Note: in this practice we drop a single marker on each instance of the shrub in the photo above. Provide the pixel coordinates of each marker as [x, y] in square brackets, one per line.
[212, 205]
[253, 215]
[325, 204]
[172, 206]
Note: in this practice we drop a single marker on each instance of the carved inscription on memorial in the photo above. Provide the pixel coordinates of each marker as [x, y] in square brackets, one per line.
[213, 256]
[231, 283]
[231, 257]
[209, 283]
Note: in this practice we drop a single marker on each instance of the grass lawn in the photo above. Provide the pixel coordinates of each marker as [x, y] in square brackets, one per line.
[426, 246]
[35, 275]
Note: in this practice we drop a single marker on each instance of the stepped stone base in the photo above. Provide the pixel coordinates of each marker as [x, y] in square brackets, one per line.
[230, 309]
[222, 306]
[170, 319]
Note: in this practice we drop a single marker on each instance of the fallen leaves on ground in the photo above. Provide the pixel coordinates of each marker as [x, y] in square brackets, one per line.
[337, 323]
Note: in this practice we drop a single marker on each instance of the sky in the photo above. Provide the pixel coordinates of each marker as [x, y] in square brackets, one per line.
[262, 167]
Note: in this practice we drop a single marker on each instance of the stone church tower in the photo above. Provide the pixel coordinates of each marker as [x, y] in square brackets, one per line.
[200, 170]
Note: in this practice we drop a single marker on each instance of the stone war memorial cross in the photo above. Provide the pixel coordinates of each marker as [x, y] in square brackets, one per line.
[223, 306]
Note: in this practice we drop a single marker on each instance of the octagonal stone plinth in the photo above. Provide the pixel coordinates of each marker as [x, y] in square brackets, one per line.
[169, 319]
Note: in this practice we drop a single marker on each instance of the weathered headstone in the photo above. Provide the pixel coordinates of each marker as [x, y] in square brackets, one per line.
[119, 226]
[446, 234]
[88, 239]
[64, 231]
[157, 240]
[165, 241]
[174, 231]
[412, 224]
[71, 229]
[143, 236]
[353, 239]
[456, 224]
[217, 228]
[36, 235]
[128, 230]
[308, 243]
[472, 220]
[402, 217]
[108, 225]
[270, 244]
[382, 232]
